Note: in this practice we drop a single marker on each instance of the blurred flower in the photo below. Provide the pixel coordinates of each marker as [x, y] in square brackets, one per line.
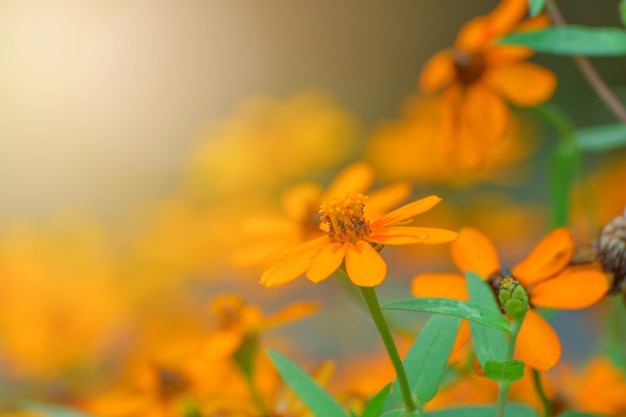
[301, 222]
[478, 77]
[545, 276]
[349, 236]
[405, 149]
[268, 141]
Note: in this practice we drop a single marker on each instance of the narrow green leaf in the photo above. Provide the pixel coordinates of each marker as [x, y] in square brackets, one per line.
[489, 344]
[563, 168]
[425, 362]
[504, 371]
[581, 414]
[53, 410]
[535, 7]
[318, 400]
[511, 410]
[394, 413]
[602, 138]
[474, 312]
[616, 337]
[622, 12]
[572, 40]
[375, 406]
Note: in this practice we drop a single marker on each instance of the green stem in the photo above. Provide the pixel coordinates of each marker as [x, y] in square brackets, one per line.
[510, 350]
[257, 398]
[369, 294]
[547, 405]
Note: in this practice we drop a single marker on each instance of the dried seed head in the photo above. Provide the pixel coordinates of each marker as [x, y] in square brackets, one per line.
[611, 246]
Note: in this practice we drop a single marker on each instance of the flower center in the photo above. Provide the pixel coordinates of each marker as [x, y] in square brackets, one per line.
[344, 217]
[469, 66]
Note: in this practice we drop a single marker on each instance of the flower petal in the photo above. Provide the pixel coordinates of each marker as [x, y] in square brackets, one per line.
[437, 73]
[473, 251]
[439, 286]
[538, 345]
[506, 16]
[294, 265]
[484, 112]
[298, 200]
[355, 178]
[501, 55]
[365, 266]
[326, 262]
[384, 199]
[524, 84]
[406, 235]
[406, 212]
[548, 258]
[292, 312]
[576, 287]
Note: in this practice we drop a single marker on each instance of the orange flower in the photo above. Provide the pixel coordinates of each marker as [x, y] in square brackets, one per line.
[353, 238]
[479, 77]
[268, 236]
[545, 276]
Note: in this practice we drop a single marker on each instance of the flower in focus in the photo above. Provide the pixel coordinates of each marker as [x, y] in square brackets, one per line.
[544, 274]
[268, 236]
[352, 237]
[478, 77]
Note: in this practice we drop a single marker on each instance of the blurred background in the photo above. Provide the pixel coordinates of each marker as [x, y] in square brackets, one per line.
[135, 136]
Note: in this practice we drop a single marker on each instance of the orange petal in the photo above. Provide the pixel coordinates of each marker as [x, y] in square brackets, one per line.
[548, 258]
[365, 266]
[406, 212]
[473, 251]
[384, 199]
[439, 286]
[483, 111]
[355, 178]
[326, 262]
[538, 345]
[506, 16]
[292, 266]
[297, 201]
[541, 21]
[292, 312]
[437, 73]
[501, 55]
[474, 36]
[406, 235]
[524, 84]
[576, 287]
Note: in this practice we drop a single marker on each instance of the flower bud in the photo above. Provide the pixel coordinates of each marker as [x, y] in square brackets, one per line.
[513, 298]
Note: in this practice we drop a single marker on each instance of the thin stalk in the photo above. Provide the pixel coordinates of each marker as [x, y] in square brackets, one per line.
[369, 294]
[510, 349]
[547, 405]
[588, 70]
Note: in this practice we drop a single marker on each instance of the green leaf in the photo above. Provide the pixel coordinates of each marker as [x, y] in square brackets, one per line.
[580, 414]
[504, 371]
[602, 138]
[318, 400]
[511, 410]
[394, 413]
[535, 7]
[616, 337]
[622, 12]
[375, 406]
[572, 40]
[425, 363]
[562, 172]
[489, 344]
[53, 411]
[472, 311]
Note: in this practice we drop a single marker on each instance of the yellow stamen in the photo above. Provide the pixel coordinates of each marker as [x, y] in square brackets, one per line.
[344, 217]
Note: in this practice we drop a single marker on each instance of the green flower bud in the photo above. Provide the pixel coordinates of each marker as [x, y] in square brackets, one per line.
[513, 298]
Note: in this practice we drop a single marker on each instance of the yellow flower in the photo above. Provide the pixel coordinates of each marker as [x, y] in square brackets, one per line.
[353, 238]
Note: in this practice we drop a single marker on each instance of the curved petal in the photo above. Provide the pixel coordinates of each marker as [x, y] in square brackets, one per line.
[439, 286]
[365, 266]
[291, 267]
[506, 16]
[384, 199]
[547, 259]
[576, 287]
[483, 111]
[501, 55]
[524, 84]
[473, 251]
[326, 262]
[406, 235]
[538, 345]
[437, 73]
[355, 178]
[406, 212]
[298, 201]
[292, 312]
[474, 36]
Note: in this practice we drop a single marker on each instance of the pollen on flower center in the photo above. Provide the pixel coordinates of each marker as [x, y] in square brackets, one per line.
[469, 66]
[344, 217]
